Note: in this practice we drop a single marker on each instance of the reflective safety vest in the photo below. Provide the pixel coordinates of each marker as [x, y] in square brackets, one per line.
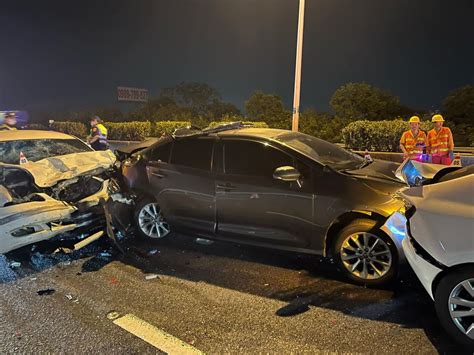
[5, 127]
[101, 131]
[439, 141]
[413, 145]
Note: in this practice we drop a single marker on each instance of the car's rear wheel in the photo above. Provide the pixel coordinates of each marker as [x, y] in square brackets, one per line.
[365, 255]
[454, 302]
[149, 220]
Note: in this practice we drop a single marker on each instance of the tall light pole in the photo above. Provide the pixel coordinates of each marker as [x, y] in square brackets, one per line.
[299, 57]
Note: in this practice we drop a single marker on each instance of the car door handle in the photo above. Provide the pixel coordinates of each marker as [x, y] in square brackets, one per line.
[226, 186]
[159, 176]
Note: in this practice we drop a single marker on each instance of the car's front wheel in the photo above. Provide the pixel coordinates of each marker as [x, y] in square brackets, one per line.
[365, 255]
[454, 302]
[149, 220]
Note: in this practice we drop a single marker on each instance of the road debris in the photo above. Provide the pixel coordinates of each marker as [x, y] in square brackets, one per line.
[151, 277]
[6, 273]
[153, 252]
[203, 241]
[15, 264]
[46, 292]
[105, 254]
[113, 315]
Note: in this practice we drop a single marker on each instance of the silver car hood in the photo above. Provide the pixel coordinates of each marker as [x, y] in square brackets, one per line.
[47, 172]
[443, 223]
[415, 173]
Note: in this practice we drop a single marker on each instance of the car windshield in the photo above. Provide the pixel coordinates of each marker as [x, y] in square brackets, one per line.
[38, 149]
[321, 151]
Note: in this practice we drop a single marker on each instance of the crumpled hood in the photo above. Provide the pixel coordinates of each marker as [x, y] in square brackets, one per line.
[443, 222]
[47, 172]
[379, 171]
[414, 173]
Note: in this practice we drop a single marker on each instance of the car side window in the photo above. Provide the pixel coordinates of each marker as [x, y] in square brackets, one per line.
[253, 159]
[159, 153]
[193, 153]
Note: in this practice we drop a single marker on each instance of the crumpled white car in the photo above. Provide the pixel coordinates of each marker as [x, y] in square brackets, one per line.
[440, 247]
[50, 185]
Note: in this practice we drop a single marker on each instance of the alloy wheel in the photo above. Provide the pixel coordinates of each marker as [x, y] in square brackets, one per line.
[151, 221]
[461, 307]
[366, 256]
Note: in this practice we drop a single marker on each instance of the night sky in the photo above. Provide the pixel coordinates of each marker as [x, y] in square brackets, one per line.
[65, 55]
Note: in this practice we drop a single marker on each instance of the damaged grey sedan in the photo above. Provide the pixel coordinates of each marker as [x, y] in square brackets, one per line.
[51, 185]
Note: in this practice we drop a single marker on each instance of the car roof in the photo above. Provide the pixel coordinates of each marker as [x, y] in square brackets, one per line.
[15, 135]
[254, 132]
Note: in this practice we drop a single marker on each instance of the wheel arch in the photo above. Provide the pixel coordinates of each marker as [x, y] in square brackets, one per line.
[342, 221]
[443, 273]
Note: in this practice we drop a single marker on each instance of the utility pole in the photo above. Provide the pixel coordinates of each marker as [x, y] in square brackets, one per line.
[299, 57]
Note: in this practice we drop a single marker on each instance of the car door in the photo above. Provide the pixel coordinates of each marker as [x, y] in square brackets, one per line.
[254, 207]
[185, 186]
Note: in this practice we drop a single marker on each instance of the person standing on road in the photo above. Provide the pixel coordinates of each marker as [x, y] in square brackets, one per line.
[440, 142]
[10, 122]
[413, 141]
[98, 136]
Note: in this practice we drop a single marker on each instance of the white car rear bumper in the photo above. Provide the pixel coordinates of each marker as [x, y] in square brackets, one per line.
[425, 271]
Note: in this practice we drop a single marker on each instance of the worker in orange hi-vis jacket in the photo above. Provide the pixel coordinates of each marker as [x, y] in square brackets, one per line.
[413, 141]
[440, 142]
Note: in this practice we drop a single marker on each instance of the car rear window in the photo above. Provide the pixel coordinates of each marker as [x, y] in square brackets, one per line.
[38, 149]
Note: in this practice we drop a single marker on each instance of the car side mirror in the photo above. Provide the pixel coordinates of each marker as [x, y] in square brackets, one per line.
[286, 173]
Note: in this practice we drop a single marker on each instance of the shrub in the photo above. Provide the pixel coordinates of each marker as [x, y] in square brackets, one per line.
[128, 131]
[383, 136]
[463, 134]
[322, 125]
[38, 126]
[77, 129]
[254, 124]
[167, 127]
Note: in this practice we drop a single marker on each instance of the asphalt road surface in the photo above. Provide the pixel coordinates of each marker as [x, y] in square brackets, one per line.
[215, 298]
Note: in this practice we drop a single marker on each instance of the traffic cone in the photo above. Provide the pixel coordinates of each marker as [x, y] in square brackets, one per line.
[23, 159]
[457, 161]
[367, 156]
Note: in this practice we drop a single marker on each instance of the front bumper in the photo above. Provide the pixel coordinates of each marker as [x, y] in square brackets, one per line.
[425, 271]
[32, 222]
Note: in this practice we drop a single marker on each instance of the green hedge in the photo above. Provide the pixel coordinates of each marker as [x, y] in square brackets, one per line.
[463, 134]
[167, 127]
[77, 129]
[254, 124]
[127, 131]
[38, 126]
[381, 136]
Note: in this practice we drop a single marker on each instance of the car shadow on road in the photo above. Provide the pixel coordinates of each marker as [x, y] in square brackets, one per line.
[301, 281]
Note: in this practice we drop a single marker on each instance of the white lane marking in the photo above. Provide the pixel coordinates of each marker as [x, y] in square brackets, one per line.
[155, 336]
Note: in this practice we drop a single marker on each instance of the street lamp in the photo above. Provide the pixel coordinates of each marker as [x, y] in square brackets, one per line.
[299, 57]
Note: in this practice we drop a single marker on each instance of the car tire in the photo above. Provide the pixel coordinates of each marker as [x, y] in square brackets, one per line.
[149, 221]
[451, 286]
[365, 254]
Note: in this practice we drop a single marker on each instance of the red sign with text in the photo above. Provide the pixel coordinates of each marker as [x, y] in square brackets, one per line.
[132, 94]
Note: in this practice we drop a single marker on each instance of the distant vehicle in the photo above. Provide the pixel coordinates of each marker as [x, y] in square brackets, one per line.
[271, 188]
[440, 247]
[50, 185]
